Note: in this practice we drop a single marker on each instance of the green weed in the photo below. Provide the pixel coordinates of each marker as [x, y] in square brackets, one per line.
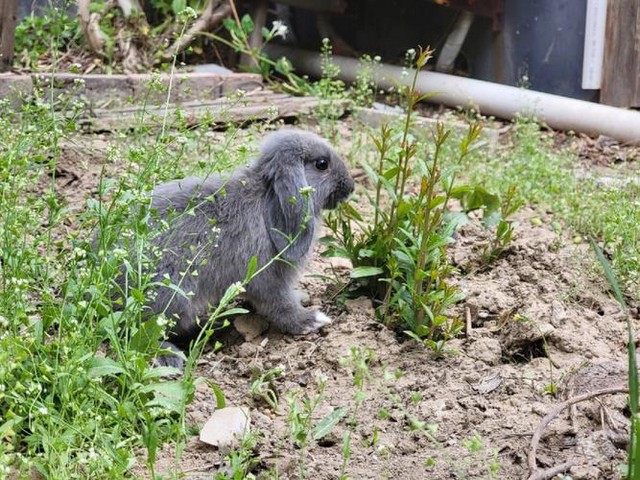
[50, 32]
[545, 175]
[399, 256]
[633, 459]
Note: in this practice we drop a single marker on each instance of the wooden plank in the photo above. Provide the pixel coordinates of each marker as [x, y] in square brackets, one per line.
[261, 105]
[101, 91]
[621, 69]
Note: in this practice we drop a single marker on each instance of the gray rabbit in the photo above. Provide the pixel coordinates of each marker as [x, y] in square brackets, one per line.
[214, 227]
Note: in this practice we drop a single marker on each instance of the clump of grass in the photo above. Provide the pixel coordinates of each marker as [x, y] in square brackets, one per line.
[633, 459]
[546, 176]
[79, 397]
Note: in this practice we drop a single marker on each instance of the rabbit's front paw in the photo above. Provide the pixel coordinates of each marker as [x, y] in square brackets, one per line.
[315, 322]
[175, 358]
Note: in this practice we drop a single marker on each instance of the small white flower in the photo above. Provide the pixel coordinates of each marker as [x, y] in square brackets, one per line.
[306, 191]
[279, 29]
[237, 288]
[43, 410]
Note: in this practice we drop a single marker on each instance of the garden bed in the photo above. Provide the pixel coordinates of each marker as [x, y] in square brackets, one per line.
[540, 330]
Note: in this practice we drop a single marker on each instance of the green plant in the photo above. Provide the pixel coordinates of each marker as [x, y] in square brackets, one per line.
[495, 215]
[262, 387]
[303, 429]
[400, 257]
[358, 362]
[633, 458]
[547, 176]
[363, 90]
[241, 460]
[476, 455]
[79, 397]
[50, 32]
[299, 419]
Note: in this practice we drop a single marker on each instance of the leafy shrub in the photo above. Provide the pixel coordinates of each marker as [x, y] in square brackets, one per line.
[400, 257]
[52, 30]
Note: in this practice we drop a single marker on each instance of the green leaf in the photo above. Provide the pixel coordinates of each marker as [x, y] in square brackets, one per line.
[232, 311]
[251, 268]
[403, 208]
[100, 367]
[148, 335]
[247, 24]
[173, 405]
[137, 295]
[7, 430]
[391, 173]
[481, 198]
[324, 426]
[178, 6]
[217, 391]
[159, 372]
[173, 390]
[361, 272]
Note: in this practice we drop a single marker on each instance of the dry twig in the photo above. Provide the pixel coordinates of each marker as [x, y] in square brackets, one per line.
[535, 473]
[212, 14]
[90, 24]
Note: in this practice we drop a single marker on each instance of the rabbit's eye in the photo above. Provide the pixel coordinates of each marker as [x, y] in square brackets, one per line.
[322, 163]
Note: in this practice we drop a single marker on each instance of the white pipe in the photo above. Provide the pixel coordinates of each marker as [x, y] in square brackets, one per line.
[594, 38]
[489, 98]
[453, 44]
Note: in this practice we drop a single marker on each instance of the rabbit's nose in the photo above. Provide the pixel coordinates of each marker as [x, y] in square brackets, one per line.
[348, 186]
[351, 185]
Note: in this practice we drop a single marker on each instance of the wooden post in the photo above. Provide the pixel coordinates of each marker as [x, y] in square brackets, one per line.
[8, 16]
[621, 69]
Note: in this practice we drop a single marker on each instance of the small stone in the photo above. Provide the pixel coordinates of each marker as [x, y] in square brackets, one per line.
[225, 427]
[360, 305]
[488, 384]
[246, 350]
[250, 326]
[487, 350]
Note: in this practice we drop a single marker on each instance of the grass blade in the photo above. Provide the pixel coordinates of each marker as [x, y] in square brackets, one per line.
[634, 456]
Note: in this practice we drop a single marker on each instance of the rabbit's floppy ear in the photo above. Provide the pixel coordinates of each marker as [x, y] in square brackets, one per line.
[288, 214]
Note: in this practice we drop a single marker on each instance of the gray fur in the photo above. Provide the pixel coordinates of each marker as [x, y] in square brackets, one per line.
[216, 225]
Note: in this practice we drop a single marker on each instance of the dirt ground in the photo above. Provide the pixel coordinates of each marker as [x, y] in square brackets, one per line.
[541, 331]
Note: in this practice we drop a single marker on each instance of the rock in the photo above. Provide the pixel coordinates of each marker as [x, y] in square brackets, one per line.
[523, 339]
[487, 350]
[360, 305]
[226, 427]
[488, 384]
[250, 326]
[247, 349]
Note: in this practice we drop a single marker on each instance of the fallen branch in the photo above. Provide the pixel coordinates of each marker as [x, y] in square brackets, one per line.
[90, 25]
[535, 473]
[129, 7]
[212, 14]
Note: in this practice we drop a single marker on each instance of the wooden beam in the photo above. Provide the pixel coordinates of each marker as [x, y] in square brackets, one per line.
[256, 106]
[8, 17]
[621, 69]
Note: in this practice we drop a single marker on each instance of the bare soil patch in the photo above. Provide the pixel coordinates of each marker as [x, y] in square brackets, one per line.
[542, 331]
